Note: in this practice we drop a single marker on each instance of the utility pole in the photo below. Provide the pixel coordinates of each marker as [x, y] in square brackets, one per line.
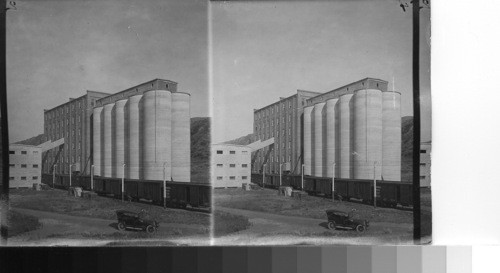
[333, 181]
[70, 165]
[54, 176]
[165, 185]
[280, 176]
[123, 181]
[264, 176]
[92, 178]
[302, 185]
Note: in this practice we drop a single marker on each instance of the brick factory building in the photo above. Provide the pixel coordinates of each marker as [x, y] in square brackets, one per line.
[356, 126]
[281, 121]
[70, 121]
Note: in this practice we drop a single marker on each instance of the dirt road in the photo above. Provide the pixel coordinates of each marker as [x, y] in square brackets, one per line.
[280, 229]
[62, 229]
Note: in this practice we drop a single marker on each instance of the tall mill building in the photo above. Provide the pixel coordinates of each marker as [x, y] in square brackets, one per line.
[70, 121]
[98, 129]
[353, 131]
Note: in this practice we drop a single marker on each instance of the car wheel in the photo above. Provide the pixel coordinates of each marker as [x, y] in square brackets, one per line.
[331, 225]
[121, 226]
[150, 229]
[360, 228]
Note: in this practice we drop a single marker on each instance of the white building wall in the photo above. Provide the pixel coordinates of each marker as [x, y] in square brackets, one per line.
[425, 164]
[25, 165]
[230, 165]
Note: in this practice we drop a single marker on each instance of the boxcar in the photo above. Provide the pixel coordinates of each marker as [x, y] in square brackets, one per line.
[341, 187]
[406, 194]
[361, 190]
[388, 193]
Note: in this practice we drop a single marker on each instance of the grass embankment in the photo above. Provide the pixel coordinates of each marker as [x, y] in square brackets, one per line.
[99, 207]
[225, 223]
[19, 223]
[59, 201]
[309, 206]
[425, 212]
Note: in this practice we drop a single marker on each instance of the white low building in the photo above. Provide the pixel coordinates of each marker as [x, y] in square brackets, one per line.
[425, 164]
[25, 165]
[231, 165]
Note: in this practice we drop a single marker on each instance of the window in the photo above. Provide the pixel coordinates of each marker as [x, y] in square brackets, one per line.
[12, 165]
[232, 177]
[423, 151]
[11, 178]
[232, 152]
[244, 152]
[219, 165]
[35, 165]
[422, 177]
[23, 152]
[244, 165]
[219, 152]
[35, 152]
[23, 177]
[232, 165]
[244, 177]
[12, 152]
[219, 177]
[23, 165]
[422, 164]
[35, 177]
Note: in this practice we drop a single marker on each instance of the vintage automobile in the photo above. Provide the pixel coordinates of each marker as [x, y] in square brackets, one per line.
[139, 221]
[341, 219]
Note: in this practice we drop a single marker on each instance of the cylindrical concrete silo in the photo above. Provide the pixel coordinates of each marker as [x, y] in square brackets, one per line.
[181, 137]
[344, 143]
[119, 133]
[319, 139]
[367, 134]
[157, 133]
[97, 137]
[107, 143]
[308, 140]
[133, 137]
[391, 139]
[331, 136]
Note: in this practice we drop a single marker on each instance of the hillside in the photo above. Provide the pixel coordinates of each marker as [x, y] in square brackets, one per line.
[244, 140]
[406, 148]
[200, 149]
[36, 140]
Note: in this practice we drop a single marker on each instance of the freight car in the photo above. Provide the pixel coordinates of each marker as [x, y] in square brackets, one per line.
[178, 194]
[389, 193]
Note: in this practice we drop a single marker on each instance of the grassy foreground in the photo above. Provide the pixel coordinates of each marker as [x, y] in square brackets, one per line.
[269, 201]
[59, 201]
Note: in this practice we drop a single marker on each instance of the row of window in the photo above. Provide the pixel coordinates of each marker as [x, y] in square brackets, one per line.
[220, 152]
[277, 159]
[53, 114]
[23, 165]
[232, 177]
[22, 152]
[270, 110]
[232, 165]
[23, 178]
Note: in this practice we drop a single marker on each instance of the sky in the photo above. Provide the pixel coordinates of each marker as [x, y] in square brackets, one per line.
[57, 50]
[265, 50]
